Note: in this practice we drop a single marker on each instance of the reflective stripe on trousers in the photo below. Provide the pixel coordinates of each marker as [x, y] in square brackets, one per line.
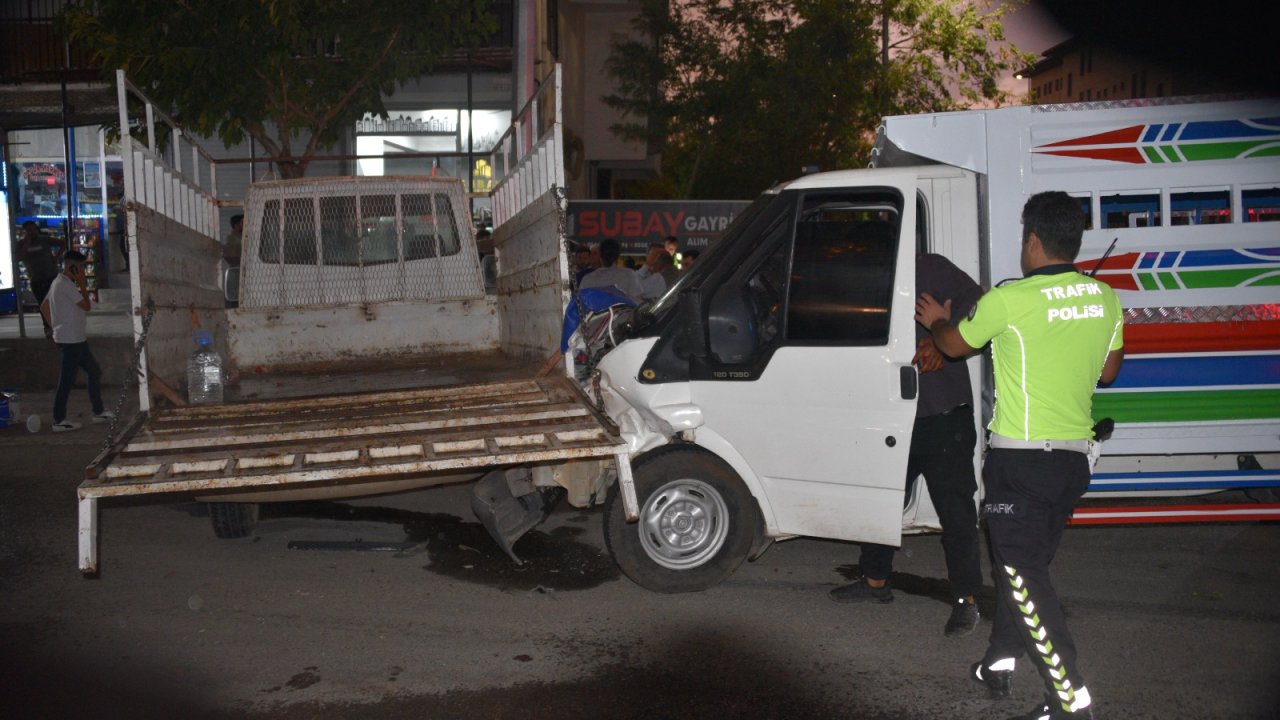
[1069, 697]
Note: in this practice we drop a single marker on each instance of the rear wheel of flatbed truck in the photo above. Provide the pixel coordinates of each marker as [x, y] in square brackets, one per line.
[233, 520]
[698, 522]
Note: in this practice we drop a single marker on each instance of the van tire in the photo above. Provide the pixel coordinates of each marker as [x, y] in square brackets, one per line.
[233, 520]
[698, 521]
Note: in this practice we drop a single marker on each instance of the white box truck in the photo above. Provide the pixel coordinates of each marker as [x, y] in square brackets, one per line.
[1185, 196]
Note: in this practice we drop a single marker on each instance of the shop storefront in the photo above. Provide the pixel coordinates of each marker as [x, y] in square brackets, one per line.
[9, 281]
[77, 210]
[446, 133]
[637, 224]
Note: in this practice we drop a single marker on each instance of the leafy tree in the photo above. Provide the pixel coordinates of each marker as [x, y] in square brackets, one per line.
[292, 74]
[740, 94]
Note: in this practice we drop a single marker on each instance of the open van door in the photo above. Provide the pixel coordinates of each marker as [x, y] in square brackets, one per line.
[808, 374]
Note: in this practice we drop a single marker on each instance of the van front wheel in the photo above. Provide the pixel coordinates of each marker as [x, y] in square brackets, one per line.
[697, 522]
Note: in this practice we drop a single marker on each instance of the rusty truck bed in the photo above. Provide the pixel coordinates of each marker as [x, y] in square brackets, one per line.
[353, 438]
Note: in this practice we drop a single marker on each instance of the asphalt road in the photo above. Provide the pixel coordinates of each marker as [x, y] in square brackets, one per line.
[401, 607]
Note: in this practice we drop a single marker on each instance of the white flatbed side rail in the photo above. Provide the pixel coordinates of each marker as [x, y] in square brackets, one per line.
[529, 158]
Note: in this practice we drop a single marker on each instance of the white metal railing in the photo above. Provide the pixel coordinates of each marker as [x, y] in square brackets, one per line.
[157, 179]
[528, 160]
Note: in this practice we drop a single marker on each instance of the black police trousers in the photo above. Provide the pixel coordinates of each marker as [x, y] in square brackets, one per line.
[1030, 495]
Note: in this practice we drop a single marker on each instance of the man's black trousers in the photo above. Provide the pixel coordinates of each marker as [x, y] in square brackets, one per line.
[942, 450]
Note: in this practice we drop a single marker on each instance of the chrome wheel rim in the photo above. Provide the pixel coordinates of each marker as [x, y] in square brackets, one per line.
[683, 524]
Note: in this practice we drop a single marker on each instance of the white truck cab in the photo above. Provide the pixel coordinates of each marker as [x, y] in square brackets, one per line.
[781, 366]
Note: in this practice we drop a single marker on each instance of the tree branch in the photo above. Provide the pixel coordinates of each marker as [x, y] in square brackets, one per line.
[318, 129]
[260, 134]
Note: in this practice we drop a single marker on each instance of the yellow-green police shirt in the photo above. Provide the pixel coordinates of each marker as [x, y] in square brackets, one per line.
[1050, 333]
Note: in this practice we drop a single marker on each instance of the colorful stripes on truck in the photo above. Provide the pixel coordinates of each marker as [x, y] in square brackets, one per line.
[1189, 364]
[1177, 142]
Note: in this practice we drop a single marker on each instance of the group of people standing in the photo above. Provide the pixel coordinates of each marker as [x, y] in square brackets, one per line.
[599, 267]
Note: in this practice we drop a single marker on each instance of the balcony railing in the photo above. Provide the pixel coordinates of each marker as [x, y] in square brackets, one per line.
[32, 50]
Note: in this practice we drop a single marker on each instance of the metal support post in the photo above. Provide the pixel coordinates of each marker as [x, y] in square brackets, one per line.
[88, 535]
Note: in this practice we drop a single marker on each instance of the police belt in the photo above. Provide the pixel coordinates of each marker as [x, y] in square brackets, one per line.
[1000, 442]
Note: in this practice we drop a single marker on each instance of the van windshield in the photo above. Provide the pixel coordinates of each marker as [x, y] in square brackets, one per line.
[714, 256]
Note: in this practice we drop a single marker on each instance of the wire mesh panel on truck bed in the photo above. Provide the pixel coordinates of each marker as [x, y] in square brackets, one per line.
[356, 240]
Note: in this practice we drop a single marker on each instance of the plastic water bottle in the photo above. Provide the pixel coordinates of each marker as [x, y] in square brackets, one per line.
[204, 371]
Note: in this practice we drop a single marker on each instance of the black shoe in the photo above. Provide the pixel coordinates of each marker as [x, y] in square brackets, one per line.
[1046, 711]
[998, 682]
[963, 620]
[860, 591]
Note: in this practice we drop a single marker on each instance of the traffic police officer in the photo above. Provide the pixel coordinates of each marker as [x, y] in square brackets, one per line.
[1055, 335]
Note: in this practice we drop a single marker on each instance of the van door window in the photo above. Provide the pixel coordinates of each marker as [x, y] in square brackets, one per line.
[842, 273]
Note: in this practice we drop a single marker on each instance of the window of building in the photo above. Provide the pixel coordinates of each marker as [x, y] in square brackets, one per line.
[1132, 210]
[1260, 204]
[451, 132]
[1057, 84]
[1069, 90]
[1210, 206]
